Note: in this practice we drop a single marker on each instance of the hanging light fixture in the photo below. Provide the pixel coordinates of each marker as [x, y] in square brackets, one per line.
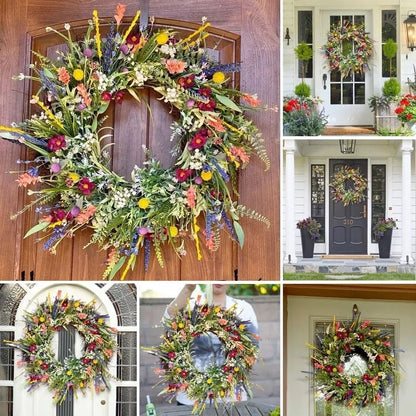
[287, 35]
[347, 146]
[410, 24]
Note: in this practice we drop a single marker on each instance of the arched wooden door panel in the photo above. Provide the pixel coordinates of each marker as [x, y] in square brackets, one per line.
[133, 127]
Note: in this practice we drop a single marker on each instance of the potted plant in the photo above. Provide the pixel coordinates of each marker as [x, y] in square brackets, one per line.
[301, 117]
[406, 111]
[383, 231]
[304, 53]
[309, 232]
[383, 107]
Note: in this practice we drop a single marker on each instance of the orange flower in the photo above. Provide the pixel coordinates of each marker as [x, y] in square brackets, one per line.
[222, 321]
[174, 326]
[250, 360]
[174, 66]
[240, 153]
[82, 91]
[120, 9]
[26, 179]
[251, 100]
[191, 197]
[216, 123]
[63, 75]
[159, 371]
[84, 216]
[184, 385]
[82, 315]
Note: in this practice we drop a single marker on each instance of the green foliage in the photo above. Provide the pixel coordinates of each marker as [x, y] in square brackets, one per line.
[401, 131]
[303, 51]
[275, 412]
[390, 49]
[391, 88]
[303, 90]
[250, 289]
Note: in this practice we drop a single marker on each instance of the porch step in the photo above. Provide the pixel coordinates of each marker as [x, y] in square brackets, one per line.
[348, 131]
[348, 256]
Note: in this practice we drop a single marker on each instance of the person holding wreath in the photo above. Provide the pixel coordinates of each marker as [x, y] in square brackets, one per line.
[208, 349]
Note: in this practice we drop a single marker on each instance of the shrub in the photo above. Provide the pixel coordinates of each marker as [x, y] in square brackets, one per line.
[303, 90]
[391, 88]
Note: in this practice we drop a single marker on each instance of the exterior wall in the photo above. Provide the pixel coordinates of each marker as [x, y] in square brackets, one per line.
[265, 372]
[382, 152]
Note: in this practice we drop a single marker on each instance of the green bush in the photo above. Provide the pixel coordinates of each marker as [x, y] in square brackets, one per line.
[303, 90]
[275, 412]
[391, 88]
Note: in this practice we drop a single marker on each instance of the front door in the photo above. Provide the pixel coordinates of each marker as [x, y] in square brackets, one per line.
[303, 316]
[40, 401]
[345, 100]
[347, 223]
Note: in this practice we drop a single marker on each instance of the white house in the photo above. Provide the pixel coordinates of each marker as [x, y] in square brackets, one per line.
[309, 163]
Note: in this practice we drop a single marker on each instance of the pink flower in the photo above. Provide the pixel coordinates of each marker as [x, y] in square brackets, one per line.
[199, 139]
[174, 66]
[118, 97]
[26, 179]
[365, 324]
[86, 186]
[56, 143]
[171, 355]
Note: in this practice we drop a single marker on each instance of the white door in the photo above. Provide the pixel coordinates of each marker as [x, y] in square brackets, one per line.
[345, 100]
[39, 401]
[304, 313]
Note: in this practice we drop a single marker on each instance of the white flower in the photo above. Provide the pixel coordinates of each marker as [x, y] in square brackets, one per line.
[67, 26]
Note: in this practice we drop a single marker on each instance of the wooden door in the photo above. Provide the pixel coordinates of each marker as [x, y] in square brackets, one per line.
[248, 32]
[347, 224]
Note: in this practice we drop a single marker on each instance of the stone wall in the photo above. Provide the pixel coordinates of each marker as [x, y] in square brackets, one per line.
[265, 374]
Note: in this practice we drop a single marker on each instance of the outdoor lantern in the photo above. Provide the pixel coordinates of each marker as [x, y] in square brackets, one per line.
[347, 146]
[287, 35]
[410, 23]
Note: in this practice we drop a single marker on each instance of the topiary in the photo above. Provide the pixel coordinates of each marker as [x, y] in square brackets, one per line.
[391, 88]
[389, 51]
[303, 90]
[304, 53]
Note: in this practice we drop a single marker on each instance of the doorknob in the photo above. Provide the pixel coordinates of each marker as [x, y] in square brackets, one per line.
[103, 402]
[324, 79]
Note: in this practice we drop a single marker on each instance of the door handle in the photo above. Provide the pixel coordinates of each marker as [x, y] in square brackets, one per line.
[103, 402]
[324, 79]
[364, 211]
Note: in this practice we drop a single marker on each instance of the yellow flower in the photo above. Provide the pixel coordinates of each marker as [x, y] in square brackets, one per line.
[162, 38]
[209, 381]
[222, 394]
[78, 74]
[144, 203]
[241, 327]
[334, 370]
[100, 320]
[69, 373]
[42, 319]
[263, 290]
[217, 309]
[73, 177]
[377, 342]
[173, 231]
[206, 175]
[236, 369]
[328, 352]
[181, 325]
[39, 362]
[76, 304]
[81, 384]
[95, 361]
[218, 77]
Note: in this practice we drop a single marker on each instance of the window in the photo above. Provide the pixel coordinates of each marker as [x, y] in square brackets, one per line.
[378, 197]
[318, 198]
[388, 31]
[305, 35]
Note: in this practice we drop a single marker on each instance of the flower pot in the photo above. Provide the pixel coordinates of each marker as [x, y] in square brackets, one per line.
[384, 244]
[307, 243]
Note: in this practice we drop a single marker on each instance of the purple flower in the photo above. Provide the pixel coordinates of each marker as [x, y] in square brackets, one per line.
[55, 168]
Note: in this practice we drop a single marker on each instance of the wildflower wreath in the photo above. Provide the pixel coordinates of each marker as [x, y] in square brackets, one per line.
[353, 363]
[213, 141]
[348, 186]
[216, 382]
[348, 49]
[73, 374]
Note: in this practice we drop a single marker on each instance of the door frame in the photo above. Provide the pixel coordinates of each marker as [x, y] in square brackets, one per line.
[36, 401]
[320, 34]
[364, 162]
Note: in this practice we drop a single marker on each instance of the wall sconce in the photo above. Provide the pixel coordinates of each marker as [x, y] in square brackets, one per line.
[287, 36]
[347, 147]
[410, 24]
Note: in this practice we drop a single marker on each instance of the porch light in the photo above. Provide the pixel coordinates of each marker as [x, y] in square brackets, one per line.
[287, 35]
[410, 24]
[347, 146]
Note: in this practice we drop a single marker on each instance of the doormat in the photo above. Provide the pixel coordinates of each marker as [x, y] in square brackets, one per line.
[348, 256]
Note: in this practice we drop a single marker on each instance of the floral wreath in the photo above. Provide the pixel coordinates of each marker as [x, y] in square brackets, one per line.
[357, 57]
[354, 195]
[216, 382]
[213, 138]
[73, 374]
[362, 385]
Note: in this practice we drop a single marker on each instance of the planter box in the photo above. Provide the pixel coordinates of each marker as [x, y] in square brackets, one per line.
[385, 118]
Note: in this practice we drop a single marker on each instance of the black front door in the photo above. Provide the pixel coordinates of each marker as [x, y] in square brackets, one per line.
[347, 223]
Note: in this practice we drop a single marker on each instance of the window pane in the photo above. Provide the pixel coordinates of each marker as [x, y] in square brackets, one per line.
[6, 356]
[6, 401]
[127, 359]
[389, 31]
[378, 181]
[305, 35]
[347, 94]
[126, 401]
[359, 93]
[124, 298]
[10, 297]
[318, 198]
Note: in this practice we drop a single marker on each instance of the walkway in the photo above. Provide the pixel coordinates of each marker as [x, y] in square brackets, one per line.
[376, 265]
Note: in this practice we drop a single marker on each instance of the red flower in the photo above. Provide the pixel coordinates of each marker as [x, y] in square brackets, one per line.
[56, 142]
[184, 374]
[399, 110]
[409, 116]
[33, 348]
[339, 383]
[58, 215]
[106, 96]
[232, 354]
[183, 174]
[328, 369]
[92, 346]
[44, 366]
[86, 186]
[171, 355]
[118, 97]
[210, 104]
[187, 82]
[198, 140]
[133, 39]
